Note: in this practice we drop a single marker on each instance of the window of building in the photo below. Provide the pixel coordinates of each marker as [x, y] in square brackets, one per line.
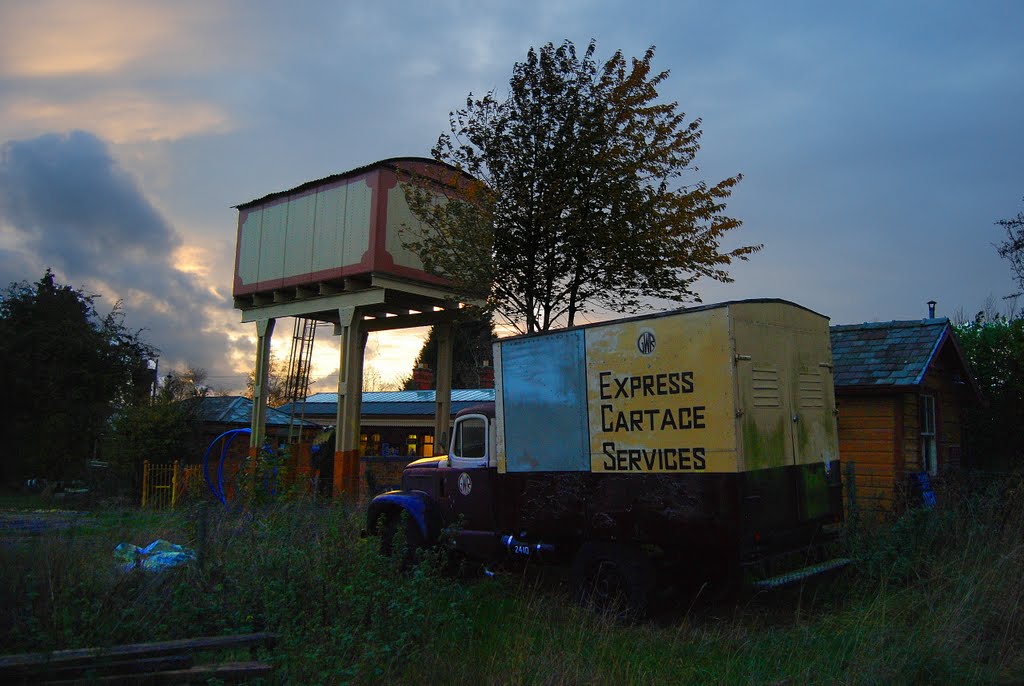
[428, 446]
[412, 445]
[372, 445]
[929, 461]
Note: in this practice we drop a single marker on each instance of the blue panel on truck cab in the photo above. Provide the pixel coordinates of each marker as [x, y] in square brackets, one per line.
[544, 396]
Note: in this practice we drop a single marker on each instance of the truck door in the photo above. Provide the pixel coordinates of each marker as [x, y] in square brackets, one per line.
[765, 420]
[469, 479]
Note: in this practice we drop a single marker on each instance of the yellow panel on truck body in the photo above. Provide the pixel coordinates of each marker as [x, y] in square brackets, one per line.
[739, 386]
[660, 394]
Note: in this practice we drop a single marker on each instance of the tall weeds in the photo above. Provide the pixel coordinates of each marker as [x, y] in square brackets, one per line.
[936, 597]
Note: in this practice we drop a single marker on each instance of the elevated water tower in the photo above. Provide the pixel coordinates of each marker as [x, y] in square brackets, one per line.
[331, 250]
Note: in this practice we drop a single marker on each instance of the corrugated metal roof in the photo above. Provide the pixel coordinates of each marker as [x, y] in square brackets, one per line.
[313, 409]
[234, 409]
[479, 395]
[377, 409]
[396, 403]
[321, 398]
[894, 353]
[390, 162]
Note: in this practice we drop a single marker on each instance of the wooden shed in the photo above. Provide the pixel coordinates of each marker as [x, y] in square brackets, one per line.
[902, 388]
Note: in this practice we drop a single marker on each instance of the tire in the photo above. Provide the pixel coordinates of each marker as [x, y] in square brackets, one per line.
[614, 579]
[411, 542]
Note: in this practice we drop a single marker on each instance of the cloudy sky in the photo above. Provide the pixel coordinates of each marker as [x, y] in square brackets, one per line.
[879, 141]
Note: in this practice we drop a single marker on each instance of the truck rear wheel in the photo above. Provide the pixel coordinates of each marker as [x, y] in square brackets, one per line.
[613, 578]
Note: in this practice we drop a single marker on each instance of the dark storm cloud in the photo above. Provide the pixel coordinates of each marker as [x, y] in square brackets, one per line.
[71, 203]
[68, 205]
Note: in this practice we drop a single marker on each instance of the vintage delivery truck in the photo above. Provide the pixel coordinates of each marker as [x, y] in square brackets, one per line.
[691, 444]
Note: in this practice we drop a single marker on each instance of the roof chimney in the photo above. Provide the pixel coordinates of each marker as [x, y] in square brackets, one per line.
[487, 375]
[931, 309]
[422, 377]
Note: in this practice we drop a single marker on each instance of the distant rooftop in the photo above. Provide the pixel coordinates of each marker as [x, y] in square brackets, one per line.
[234, 409]
[478, 395]
[392, 403]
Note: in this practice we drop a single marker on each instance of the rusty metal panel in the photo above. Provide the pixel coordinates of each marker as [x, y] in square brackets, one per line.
[298, 246]
[544, 403]
[660, 394]
[249, 246]
[272, 240]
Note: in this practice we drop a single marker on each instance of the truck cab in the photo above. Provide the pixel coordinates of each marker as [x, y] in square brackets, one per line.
[456, 492]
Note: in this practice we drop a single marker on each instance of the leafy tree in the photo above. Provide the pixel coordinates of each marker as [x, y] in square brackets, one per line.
[994, 345]
[187, 384]
[65, 370]
[471, 348]
[1012, 248]
[160, 429]
[581, 193]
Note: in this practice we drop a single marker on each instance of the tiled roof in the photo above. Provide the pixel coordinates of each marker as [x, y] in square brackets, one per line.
[396, 403]
[885, 353]
[234, 409]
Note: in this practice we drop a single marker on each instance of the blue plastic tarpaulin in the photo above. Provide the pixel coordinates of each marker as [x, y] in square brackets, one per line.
[155, 557]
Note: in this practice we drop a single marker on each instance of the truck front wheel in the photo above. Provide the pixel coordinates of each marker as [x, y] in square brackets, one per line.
[613, 578]
[408, 543]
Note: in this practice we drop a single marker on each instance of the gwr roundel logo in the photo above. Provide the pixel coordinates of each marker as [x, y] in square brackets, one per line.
[645, 343]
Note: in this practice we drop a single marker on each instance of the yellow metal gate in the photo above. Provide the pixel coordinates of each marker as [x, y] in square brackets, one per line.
[164, 485]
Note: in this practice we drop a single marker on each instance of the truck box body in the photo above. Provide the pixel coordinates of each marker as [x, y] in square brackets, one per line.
[732, 388]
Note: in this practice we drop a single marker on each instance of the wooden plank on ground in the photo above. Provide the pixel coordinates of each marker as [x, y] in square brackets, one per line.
[143, 665]
[229, 672]
[30, 662]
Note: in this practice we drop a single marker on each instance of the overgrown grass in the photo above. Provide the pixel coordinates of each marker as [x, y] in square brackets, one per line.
[936, 598]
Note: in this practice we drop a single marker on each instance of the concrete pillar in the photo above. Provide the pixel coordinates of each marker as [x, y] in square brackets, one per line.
[350, 397]
[264, 331]
[443, 397]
